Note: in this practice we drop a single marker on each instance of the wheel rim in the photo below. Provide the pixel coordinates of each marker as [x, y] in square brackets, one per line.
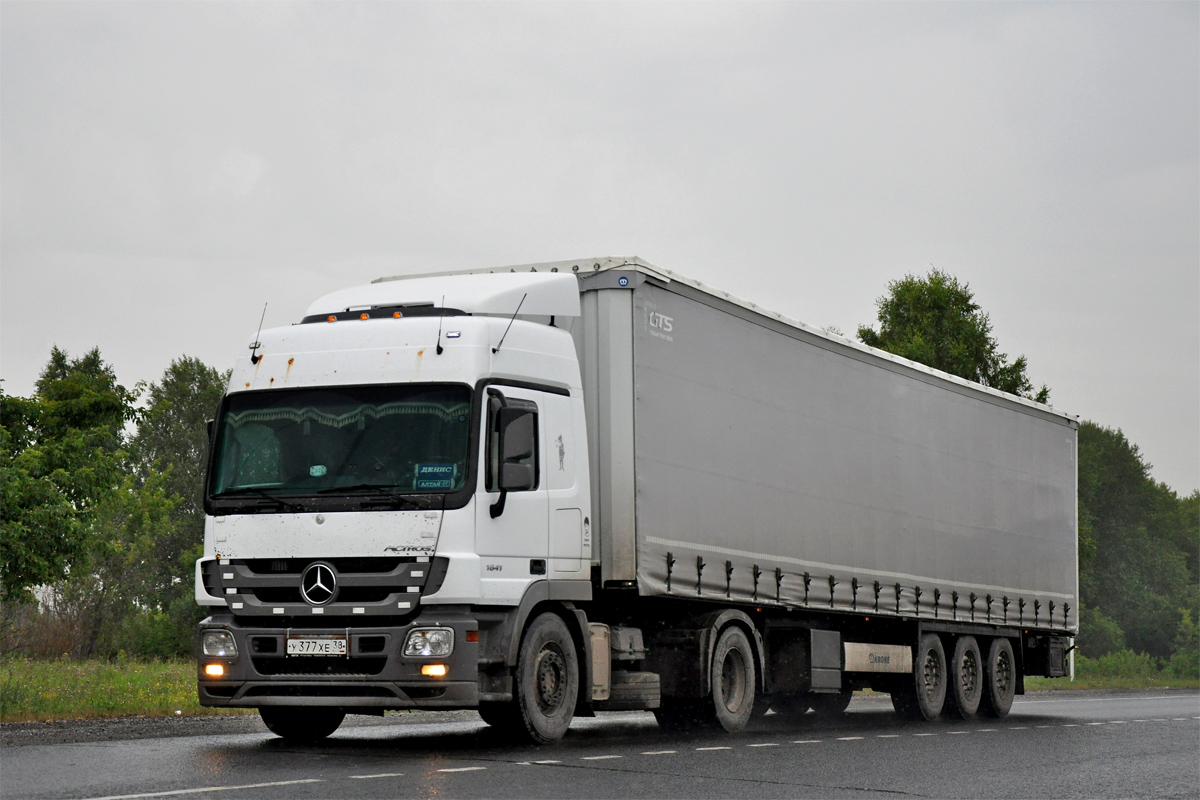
[550, 679]
[1003, 678]
[931, 674]
[969, 673]
[733, 681]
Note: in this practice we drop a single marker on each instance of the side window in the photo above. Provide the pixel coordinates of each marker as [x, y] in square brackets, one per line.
[512, 443]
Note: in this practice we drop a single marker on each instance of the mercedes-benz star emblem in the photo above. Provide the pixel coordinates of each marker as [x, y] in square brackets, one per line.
[318, 584]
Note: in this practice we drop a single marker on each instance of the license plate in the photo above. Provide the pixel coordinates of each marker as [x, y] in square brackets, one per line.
[316, 646]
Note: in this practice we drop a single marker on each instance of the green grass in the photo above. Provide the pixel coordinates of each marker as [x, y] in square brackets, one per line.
[44, 690]
[1125, 670]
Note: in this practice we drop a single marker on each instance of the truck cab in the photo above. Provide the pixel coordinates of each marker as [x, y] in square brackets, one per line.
[389, 481]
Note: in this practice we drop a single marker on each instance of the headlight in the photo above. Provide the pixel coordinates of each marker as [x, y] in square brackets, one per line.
[218, 643]
[429, 642]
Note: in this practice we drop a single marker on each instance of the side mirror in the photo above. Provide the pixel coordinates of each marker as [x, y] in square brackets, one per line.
[518, 440]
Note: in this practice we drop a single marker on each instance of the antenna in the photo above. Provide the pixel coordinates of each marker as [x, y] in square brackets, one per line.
[496, 349]
[441, 319]
[254, 356]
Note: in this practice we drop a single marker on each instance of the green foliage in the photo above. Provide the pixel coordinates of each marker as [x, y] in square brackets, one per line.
[1098, 635]
[59, 459]
[935, 321]
[1135, 571]
[1185, 663]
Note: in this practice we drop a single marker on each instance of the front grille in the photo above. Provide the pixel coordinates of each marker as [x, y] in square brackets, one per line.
[319, 665]
[262, 587]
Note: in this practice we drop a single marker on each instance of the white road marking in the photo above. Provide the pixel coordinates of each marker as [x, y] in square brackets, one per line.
[924, 734]
[598, 758]
[1095, 723]
[991, 730]
[660, 752]
[1178, 719]
[1116, 722]
[1159, 719]
[807, 741]
[462, 769]
[1045, 726]
[548, 761]
[849, 738]
[888, 736]
[764, 744]
[1146, 720]
[380, 775]
[1069, 725]
[1016, 729]
[714, 748]
[177, 792]
[955, 733]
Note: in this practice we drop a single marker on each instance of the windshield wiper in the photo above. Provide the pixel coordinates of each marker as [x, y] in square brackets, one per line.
[379, 491]
[244, 490]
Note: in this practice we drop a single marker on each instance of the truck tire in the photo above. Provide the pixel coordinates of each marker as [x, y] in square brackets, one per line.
[547, 680]
[301, 725]
[923, 695]
[830, 705]
[999, 679]
[733, 679]
[966, 679]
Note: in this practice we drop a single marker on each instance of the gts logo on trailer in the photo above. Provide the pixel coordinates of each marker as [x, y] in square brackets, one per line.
[661, 321]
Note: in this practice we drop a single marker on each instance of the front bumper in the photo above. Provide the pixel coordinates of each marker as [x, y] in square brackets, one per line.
[374, 674]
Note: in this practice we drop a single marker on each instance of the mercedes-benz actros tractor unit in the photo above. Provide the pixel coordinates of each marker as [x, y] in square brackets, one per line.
[558, 489]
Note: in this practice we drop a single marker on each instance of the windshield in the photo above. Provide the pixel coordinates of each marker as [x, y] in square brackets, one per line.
[397, 439]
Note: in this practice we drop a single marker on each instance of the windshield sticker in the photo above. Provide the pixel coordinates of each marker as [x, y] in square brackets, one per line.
[436, 476]
[318, 470]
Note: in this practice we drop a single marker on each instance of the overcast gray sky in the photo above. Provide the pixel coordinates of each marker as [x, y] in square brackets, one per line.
[167, 168]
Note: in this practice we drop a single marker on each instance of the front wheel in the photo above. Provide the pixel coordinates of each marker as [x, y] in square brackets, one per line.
[301, 725]
[547, 680]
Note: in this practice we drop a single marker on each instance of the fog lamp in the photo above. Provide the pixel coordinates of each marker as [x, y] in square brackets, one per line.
[218, 643]
[434, 670]
[429, 642]
[214, 670]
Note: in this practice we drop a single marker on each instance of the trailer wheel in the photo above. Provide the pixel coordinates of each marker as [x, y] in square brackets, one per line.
[966, 679]
[733, 679]
[830, 705]
[924, 695]
[301, 725]
[999, 679]
[547, 680]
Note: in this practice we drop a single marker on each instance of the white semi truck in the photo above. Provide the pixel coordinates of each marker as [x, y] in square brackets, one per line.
[557, 489]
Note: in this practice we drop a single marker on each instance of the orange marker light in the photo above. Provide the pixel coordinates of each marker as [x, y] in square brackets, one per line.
[472, 636]
[396, 315]
[434, 670]
[214, 671]
[364, 316]
[331, 318]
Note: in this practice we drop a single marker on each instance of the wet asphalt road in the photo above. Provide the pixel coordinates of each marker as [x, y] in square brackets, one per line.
[1061, 744]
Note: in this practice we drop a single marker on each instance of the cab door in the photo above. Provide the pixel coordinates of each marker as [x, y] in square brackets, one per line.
[512, 532]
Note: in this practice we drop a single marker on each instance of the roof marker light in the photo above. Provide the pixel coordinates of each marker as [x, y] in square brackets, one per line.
[396, 315]
[364, 316]
[331, 318]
